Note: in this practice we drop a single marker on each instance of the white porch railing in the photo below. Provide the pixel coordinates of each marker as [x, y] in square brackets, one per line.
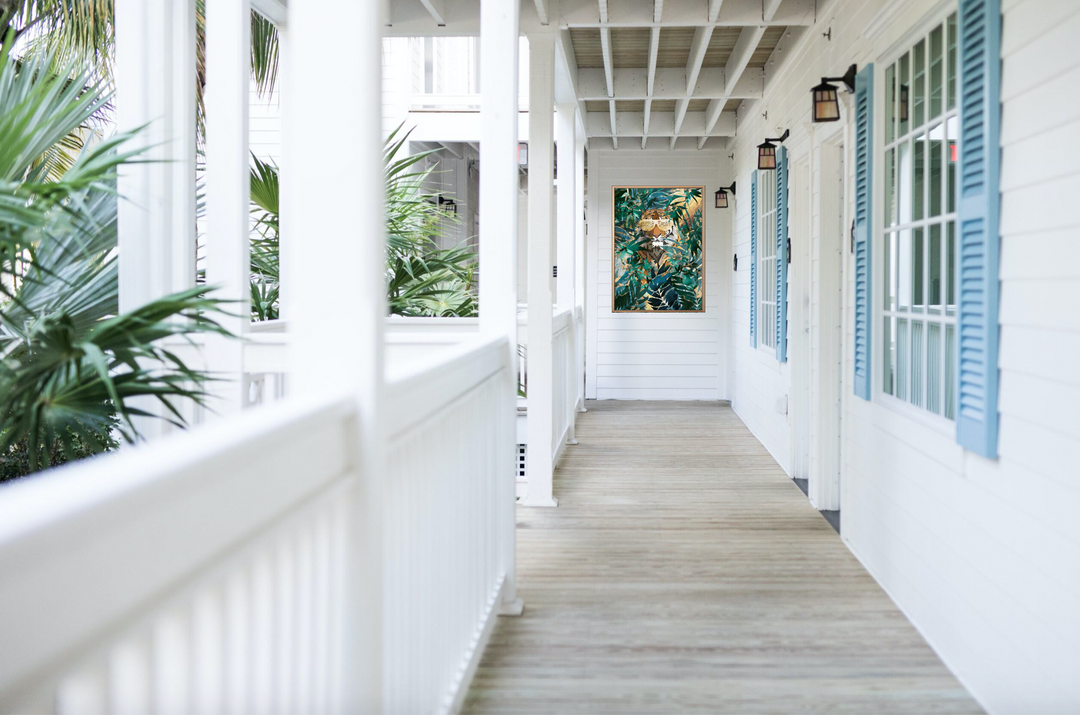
[564, 408]
[210, 572]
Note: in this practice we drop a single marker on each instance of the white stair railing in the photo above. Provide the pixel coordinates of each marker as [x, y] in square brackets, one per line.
[207, 572]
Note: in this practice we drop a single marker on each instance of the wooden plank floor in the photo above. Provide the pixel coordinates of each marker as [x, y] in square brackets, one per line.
[684, 571]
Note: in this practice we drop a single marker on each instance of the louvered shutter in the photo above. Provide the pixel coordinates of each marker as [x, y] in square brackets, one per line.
[977, 265]
[781, 252]
[864, 150]
[753, 260]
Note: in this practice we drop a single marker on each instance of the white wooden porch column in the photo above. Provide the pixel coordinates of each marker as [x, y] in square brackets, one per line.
[541, 176]
[228, 189]
[333, 79]
[498, 248]
[579, 264]
[155, 86]
[566, 240]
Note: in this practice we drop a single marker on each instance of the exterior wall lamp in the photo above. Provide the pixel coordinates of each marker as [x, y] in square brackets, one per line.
[766, 152]
[721, 195]
[447, 205]
[826, 104]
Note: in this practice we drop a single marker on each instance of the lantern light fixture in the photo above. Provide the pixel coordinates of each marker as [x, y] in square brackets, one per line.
[766, 151]
[721, 195]
[447, 205]
[826, 103]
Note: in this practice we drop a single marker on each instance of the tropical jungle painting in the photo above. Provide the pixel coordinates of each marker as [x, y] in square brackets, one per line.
[659, 252]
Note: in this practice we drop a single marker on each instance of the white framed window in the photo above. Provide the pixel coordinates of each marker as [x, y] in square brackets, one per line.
[766, 240]
[918, 224]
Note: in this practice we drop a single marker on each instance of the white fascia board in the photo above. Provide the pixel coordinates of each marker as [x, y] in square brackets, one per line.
[455, 126]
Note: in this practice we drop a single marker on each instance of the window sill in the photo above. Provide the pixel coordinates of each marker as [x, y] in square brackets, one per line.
[920, 415]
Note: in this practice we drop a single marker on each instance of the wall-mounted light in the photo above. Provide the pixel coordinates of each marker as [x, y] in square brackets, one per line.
[721, 195]
[766, 152]
[523, 154]
[447, 205]
[826, 104]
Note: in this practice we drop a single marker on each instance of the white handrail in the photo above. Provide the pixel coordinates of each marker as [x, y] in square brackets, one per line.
[207, 571]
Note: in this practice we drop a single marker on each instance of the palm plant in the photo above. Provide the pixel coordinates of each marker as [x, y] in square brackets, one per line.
[71, 367]
[422, 279]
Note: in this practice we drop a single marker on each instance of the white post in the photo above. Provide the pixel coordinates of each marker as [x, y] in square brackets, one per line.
[155, 86]
[333, 80]
[228, 189]
[541, 176]
[498, 249]
[567, 219]
[579, 265]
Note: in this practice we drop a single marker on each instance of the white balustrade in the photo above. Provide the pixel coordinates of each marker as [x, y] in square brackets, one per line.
[562, 361]
[207, 572]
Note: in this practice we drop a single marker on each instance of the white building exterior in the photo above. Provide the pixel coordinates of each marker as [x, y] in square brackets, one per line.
[979, 548]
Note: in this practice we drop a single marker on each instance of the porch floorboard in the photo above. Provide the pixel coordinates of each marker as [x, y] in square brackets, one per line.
[683, 571]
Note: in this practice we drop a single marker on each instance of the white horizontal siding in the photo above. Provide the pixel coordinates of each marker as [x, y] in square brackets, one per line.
[982, 555]
[661, 355]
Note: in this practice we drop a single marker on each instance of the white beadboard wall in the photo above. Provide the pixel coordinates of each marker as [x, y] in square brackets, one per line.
[982, 555]
[675, 356]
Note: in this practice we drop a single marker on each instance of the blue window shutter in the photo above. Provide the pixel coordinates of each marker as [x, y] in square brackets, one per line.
[979, 52]
[781, 253]
[864, 172]
[753, 260]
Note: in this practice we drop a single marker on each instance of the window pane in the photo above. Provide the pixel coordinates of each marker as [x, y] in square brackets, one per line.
[889, 376]
[890, 187]
[918, 295]
[886, 272]
[904, 91]
[918, 373]
[950, 269]
[918, 83]
[890, 103]
[937, 70]
[952, 61]
[935, 268]
[917, 169]
[950, 372]
[903, 183]
[901, 358]
[933, 368]
[903, 266]
[951, 127]
[937, 147]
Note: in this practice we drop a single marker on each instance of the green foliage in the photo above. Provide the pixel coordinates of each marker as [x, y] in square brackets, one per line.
[421, 278]
[72, 370]
[674, 280]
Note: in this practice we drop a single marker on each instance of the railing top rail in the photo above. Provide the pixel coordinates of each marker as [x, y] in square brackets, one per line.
[84, 545]
[421, 392]
[561, 321]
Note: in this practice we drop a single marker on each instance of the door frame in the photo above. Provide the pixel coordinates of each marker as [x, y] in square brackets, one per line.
[829, 253]
[799, 302]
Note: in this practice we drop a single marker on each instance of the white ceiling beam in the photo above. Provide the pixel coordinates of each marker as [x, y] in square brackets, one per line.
[645, 123]
[661, 124]
[603, 10]
[435, 8]
[654, 48]
[702, 35]
[733, 70]
[769, 9]
[658, 11]
[613, 123]
[609, 71]
[566, 72]
[668, 83]
[714, 9]
[541, 11]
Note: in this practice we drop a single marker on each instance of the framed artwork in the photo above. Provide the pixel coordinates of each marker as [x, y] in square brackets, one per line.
[658, 261]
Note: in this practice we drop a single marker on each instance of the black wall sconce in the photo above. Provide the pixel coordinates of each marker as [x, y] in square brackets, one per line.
[721, 195]
[826, 104]
[735, 262]
[766, 151]
[447, 205]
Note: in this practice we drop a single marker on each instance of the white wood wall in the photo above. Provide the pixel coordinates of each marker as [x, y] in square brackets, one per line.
[677, 356]
[980, 554]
